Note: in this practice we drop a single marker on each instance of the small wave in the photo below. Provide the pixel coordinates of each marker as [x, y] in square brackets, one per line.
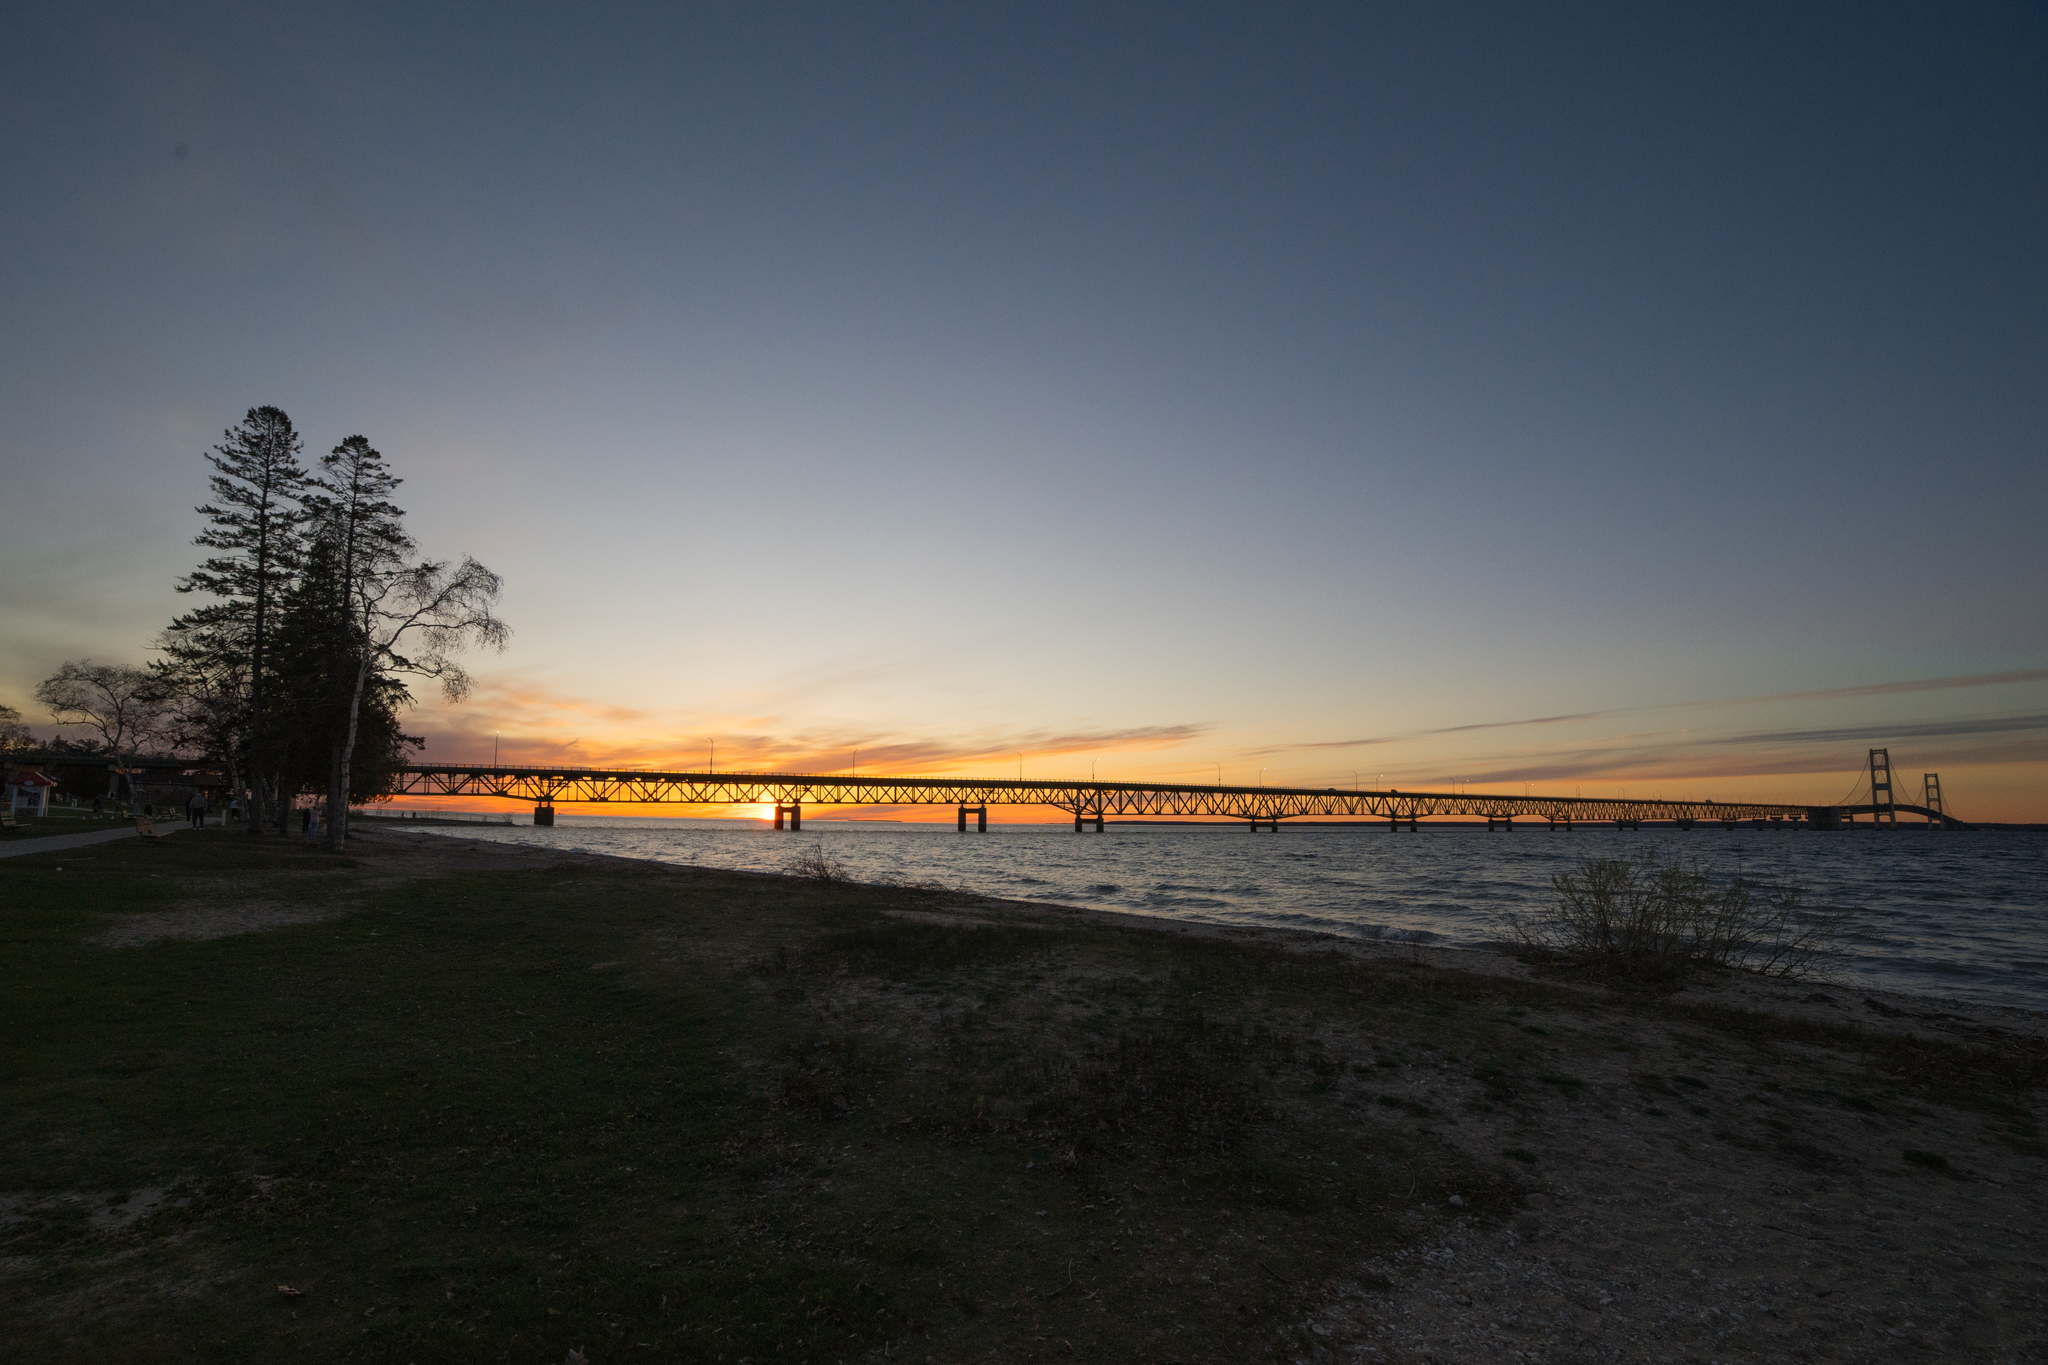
[1102, 889]
[1161, 901]
[1391, 934]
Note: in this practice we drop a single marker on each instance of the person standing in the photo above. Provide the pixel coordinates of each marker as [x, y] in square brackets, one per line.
[195, 807]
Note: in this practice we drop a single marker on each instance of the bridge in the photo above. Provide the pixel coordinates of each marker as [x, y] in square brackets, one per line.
[1094, 802]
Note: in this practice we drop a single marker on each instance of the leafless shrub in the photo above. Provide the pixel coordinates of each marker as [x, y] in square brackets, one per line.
[815, 864]
[1648, 922]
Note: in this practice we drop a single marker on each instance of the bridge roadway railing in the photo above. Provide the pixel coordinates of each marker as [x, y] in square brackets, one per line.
[1093, 800]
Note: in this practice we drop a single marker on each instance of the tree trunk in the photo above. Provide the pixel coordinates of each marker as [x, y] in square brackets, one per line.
[234, 785]
[337, 799]
[256, 809]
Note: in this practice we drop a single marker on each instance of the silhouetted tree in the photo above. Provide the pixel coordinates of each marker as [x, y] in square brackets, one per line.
[414, 619]
[362, 545]
[255, 521]
[125, 705]
[15, 736]
[315, 680]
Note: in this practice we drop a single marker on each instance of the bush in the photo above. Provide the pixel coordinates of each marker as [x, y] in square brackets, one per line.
[1655, 922]
[817, 865]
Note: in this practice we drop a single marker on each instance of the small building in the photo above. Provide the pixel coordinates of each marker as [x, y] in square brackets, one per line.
[28, 790]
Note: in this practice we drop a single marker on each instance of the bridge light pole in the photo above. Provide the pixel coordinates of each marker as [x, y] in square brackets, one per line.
[1020, 765]
[1219, 771]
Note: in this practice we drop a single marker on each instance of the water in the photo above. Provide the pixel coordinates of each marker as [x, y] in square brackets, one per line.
[1949, 914]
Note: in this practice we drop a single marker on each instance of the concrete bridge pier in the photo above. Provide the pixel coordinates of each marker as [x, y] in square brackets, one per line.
[1628, 823]
[544, 815]
[1558, 822]
[1494, 822]
[1271, 822]
[795, 811]
[1397, 823]
[980, 819]
[1080, 816]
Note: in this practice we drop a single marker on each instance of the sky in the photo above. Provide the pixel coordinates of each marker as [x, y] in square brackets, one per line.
[1578, 398]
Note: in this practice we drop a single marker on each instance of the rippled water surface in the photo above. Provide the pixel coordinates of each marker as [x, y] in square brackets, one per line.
[1953, 914]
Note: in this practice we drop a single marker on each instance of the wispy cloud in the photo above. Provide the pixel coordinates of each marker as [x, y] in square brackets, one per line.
[1822, 694]
[1992, 725]
[1919, 685]
[542, 727]
[1764, 752]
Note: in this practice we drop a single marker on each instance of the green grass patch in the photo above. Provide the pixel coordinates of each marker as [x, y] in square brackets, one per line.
[463, 1115]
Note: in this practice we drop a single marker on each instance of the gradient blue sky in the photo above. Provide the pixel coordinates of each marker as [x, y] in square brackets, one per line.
[1153, 386]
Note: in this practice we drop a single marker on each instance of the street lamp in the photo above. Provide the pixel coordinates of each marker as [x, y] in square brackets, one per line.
[856, 760]
[1262, 777]
[1020, 765]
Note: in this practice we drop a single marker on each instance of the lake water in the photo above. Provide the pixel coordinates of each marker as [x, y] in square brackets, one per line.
[1956, 914]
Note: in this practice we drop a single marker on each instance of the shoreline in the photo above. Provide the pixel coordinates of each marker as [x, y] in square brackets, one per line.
[1879, 1010]
[560, 1099]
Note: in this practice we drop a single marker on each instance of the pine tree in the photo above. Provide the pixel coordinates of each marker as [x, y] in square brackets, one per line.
[328, 708]
[255, 521]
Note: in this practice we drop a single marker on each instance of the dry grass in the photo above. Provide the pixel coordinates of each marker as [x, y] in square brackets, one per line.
[1639, 921]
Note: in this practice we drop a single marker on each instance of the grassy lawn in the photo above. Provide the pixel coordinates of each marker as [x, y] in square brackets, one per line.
[466, 1104]
[80, 820]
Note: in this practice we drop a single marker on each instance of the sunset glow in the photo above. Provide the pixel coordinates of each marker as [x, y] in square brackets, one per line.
[1350, 426]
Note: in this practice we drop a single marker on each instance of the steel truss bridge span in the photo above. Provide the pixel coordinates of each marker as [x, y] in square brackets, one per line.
[1093, 802]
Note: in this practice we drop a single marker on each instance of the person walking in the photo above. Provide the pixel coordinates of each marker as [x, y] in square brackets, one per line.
[96, 808]
[195, 807]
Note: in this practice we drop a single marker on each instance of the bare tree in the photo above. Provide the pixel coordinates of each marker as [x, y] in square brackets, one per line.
[204, 680]
[414, 619]
[125, 705]
[15, 737]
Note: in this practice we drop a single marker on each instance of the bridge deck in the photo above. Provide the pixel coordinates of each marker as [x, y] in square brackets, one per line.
[551, 785]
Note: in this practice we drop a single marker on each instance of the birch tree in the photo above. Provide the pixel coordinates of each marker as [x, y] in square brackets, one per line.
[413, 619]
[363, 548]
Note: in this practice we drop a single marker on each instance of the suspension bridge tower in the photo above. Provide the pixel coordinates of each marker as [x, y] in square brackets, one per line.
[1882, 811]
